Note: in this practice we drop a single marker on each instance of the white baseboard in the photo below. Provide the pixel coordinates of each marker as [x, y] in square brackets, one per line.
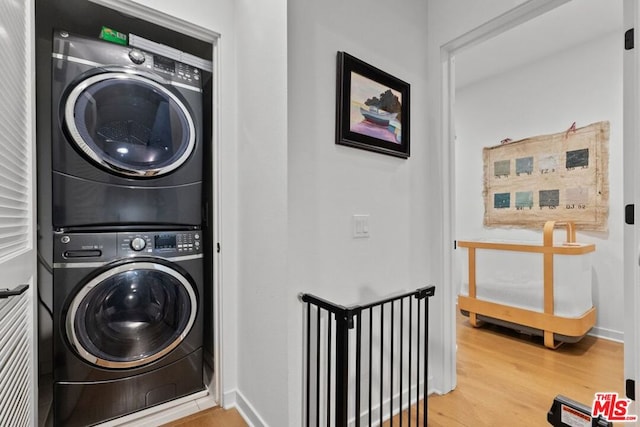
[235, 398]
[608, 334]
[229, 399]
[364, 416]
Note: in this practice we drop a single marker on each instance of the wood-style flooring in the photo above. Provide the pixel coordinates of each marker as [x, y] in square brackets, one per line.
[216, 417]
[504, 379]
[510, 379]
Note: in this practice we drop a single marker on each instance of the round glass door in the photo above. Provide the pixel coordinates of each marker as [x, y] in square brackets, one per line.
[129, 123]
[131, 315]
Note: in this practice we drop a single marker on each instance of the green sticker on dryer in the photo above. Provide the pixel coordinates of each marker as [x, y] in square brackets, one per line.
[113, 36]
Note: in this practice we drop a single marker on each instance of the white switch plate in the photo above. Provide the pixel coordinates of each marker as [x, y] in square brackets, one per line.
[360, 226]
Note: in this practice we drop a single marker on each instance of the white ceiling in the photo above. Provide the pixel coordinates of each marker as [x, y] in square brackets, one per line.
[571, 24]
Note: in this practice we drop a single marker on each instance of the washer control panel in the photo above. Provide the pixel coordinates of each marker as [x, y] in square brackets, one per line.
[98, 247]
[160, 243]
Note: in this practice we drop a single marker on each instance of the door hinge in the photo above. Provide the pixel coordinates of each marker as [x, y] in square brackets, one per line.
[628, 39]
[455, 244]
[630, 391]
[629, 214]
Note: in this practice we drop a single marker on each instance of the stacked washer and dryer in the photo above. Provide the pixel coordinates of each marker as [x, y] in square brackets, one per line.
[126, 213]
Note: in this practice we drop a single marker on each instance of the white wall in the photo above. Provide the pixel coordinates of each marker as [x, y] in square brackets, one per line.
[263, 367]
[328, 183]
[581, 84]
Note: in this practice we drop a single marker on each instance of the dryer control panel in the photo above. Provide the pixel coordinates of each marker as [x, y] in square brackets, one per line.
[150, 56]
[176, 71]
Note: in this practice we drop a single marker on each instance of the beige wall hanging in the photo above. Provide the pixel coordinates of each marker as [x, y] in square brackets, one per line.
[559, 177]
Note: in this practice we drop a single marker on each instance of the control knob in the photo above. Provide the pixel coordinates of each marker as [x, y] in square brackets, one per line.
[138, 244]
[136, 56]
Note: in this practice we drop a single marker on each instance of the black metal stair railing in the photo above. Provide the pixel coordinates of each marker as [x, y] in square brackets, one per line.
[385, 374]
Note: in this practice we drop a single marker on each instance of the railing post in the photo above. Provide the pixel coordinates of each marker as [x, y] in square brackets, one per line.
[425, 293]
[344, 322]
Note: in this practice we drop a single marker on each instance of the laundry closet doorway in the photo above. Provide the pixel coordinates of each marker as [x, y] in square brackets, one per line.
[535, 70]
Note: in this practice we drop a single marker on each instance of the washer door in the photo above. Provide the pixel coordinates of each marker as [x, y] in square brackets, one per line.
[130, 123]
[131, 315]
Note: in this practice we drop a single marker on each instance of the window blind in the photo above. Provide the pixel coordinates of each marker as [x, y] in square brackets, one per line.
[15, 362]
[15, 129]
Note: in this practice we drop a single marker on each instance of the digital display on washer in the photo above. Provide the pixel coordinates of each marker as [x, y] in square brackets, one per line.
[164, 64]
[165, 241]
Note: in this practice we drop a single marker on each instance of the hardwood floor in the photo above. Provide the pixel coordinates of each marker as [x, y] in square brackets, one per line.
[504, 379]
[507, 378]
[216, 417]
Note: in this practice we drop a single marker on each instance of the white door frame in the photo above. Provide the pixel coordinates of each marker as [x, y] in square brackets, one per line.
[631, 101]
[498, 25]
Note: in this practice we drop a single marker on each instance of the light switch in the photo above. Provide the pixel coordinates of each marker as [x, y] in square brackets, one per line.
[360, 226]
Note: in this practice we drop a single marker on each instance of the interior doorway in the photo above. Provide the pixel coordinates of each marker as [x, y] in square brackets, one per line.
[533, 71]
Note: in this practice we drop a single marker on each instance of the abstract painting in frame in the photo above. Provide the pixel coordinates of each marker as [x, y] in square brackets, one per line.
[372, 108]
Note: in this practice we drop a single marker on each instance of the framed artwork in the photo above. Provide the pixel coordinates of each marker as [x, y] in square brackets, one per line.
[561, 177]
[372, 108]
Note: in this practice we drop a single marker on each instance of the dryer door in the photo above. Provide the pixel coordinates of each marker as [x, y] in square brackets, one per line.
[131, 315]
[130, 123]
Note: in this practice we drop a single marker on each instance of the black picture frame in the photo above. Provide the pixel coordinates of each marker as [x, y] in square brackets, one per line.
[372, 108]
